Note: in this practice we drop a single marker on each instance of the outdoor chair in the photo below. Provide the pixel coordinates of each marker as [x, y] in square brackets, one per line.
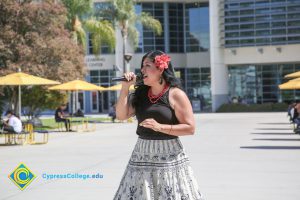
[17, 138]
[37, 124]
[60, 126]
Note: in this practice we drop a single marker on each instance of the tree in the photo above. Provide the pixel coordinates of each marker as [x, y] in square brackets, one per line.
[37, 99]
[77, 9]
[124, 16]
[33, 37]
[101, 30]
[1, 106]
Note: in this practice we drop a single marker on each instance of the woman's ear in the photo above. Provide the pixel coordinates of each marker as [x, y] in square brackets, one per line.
[161, 71]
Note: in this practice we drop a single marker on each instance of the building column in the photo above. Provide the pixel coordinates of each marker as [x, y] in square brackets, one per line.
[219, 72]
[87, 96]
[119, 51]
[166, 27]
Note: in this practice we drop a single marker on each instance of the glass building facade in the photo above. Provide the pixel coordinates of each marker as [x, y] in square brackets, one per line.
[185, 29]
[151, 41]
[197, 27]
[261, 22]
[186, 33]
[259, 83]
[246, 23]
[98, 12]
[100, 101]
[176, 31]
[197, 85]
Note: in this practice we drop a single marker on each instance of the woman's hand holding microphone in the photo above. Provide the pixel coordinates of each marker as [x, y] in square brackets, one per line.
[131, 79]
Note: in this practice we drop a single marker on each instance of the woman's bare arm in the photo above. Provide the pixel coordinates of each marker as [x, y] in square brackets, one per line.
[124, 109]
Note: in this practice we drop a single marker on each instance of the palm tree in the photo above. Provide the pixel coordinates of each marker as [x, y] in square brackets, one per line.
[124, 16]
[77, 9]
[101, 30]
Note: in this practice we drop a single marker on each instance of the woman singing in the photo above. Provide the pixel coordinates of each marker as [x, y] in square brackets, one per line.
[158, 168]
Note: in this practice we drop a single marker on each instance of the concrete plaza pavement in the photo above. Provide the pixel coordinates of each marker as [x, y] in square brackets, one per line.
[235, 156]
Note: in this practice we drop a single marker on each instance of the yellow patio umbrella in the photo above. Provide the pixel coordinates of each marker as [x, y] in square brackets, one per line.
[293, 75]
[21, 79]
[77, 85]
[118, 87]
[290, 85]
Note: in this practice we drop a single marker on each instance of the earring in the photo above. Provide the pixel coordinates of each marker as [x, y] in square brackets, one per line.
[161, 80]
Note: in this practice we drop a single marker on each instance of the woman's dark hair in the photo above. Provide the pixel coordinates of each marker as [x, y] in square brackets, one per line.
[11, 112]
[168, 75]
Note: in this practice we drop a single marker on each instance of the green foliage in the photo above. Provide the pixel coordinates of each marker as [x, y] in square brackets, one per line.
[33, 37]
[49, 123]
[266, 107]
[1, 106]
[124, 15]
[38, 98]
[101, 31]
[76, 8]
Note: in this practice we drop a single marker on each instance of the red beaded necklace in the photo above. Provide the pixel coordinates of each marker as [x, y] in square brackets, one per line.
[154, 98]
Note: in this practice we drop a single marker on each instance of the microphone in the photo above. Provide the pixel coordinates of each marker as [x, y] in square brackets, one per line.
[139, 77]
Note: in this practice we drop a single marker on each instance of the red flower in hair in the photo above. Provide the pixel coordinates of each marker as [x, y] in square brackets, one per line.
[162, 61]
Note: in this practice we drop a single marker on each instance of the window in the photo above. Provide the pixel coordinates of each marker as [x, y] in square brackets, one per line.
[176, 27]
[197, 31]
[98, 8]
[198, 85]
[259, 83]
[102, 77]
[272, 21]
[149, 41]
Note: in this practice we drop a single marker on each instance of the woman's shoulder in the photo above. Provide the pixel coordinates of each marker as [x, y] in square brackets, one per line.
[176, 92]
[175, 95]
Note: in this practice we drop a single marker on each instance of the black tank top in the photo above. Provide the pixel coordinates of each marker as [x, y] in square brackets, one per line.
[161, 111]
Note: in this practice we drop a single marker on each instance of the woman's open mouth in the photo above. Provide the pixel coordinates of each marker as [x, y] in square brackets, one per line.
[145, 76]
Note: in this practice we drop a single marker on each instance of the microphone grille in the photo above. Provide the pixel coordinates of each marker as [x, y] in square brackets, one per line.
[139, 76]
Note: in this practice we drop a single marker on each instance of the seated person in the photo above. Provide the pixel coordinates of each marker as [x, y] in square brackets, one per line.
[61, 117]
[112, 112]
[296, 117]
[79, 113]
[13, 124]
[291, 111]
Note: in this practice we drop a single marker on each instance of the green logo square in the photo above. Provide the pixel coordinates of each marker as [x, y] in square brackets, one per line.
[21, 176]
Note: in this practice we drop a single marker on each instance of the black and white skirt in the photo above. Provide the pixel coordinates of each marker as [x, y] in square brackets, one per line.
[158, 170]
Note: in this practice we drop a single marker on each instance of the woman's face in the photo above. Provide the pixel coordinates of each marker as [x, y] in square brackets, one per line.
[151, 74]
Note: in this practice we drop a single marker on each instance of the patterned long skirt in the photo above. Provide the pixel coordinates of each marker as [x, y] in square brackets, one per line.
[158, 170]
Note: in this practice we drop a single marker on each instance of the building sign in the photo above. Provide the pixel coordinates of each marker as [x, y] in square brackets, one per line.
[94, 62]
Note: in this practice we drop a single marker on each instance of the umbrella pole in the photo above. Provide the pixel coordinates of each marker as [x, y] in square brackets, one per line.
[76, 98]
[20, 101]
[73, 100]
